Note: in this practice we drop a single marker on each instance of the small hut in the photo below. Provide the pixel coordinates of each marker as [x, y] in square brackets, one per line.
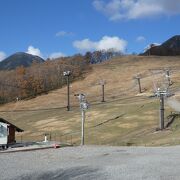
[7, 132]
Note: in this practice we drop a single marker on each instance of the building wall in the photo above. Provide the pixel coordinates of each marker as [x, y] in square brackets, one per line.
[11, 137]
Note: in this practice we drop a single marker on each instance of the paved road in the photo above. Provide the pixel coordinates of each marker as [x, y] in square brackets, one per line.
[93, 162]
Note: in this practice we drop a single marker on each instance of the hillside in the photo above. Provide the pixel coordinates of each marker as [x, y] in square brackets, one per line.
[126, 118]
[171, 47]
[19, 59]
[39, 78]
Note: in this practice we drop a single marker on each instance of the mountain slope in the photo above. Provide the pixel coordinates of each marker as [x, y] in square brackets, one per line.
[170, 47]
[19, 59]
[126, 118]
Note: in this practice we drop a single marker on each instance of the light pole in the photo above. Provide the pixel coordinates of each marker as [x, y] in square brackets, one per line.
[83, 107]
[67, 74]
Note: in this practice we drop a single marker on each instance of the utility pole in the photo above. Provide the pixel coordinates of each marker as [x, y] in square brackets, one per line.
[83, 107]
[67, 74]
[102, 83]
[139, 83]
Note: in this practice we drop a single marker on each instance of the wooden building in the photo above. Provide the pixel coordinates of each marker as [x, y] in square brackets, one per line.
[7, 132]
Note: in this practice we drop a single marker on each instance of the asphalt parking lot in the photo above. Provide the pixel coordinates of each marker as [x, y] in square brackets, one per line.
[93, 162]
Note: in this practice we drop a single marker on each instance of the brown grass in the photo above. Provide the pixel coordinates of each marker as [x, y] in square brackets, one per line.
[140, 114]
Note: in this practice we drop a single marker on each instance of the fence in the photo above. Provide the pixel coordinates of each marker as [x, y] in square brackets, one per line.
[51, 136]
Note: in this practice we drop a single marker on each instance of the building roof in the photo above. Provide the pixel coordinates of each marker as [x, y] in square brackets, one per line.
[7, 122]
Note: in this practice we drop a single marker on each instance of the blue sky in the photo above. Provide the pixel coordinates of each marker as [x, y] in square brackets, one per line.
[51, 28]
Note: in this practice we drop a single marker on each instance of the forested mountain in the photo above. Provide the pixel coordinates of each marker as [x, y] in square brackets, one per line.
[39, 78]
[25, 76]
[170, 47]
[19, 59]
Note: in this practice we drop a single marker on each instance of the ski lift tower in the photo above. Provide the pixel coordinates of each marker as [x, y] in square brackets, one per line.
[102, 83]
[161, 87]
[168, 77]
[161, 94]
[83, 107]
[138, 78]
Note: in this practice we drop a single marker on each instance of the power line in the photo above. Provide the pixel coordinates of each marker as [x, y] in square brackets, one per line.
[63, 107]
[93, 102]
[44, 109]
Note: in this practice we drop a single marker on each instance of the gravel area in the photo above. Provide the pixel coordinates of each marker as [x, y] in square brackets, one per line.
[93, 162]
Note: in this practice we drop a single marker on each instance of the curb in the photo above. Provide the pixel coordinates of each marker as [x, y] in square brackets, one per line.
[24, 150]
[53, 146]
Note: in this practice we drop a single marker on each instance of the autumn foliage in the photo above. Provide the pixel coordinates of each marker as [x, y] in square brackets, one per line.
[39, 78]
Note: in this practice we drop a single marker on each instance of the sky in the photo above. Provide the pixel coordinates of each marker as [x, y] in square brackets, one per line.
[55, 28]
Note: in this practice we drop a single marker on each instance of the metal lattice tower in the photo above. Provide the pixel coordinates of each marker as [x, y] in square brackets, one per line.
[161, 87]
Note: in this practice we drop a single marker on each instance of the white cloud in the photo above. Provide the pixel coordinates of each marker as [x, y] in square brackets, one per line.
[34, 51]
[140, 39]
[105, 43]
[112, 43]
[2, 55]
[56, 55]
[85, 44]
[135, 9]
[64, 33]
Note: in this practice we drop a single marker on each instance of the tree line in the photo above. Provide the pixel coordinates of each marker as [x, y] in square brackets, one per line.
[39, 78]
[101, 56]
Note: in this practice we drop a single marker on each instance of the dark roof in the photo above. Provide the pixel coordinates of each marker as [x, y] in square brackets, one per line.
[17, 129]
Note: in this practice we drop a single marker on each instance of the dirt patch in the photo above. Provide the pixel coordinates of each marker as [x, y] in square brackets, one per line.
[128, 125]
[45, 122]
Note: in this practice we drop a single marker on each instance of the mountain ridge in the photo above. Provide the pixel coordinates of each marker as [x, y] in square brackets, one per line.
[19, 59]
[171, 47]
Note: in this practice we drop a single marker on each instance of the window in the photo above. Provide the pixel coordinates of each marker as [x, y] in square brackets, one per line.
[3, 131]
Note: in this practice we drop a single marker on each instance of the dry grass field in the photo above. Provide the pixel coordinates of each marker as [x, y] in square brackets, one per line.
[126, 118]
